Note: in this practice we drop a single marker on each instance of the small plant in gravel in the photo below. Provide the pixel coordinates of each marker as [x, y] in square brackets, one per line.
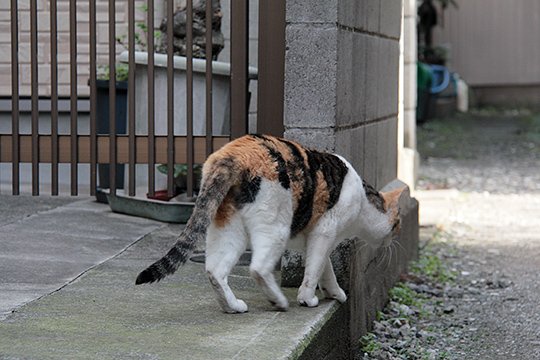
[405, 328]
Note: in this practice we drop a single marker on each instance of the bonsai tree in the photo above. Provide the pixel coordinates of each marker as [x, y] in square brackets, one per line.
[199, 30]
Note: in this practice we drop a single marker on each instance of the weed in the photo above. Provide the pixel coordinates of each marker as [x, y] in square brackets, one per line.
[402, 294]
[369, 343]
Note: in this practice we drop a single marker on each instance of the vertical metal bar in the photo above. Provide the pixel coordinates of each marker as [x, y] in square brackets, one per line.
[54, 99]
[15, 97]
[239, 68]
[131, 95]
[34, 96]
[189, 96]
[93, 96]
[209, 58]
[271, 67]
[73, 94]
[151, 99]
[170, 97]
[112, 98]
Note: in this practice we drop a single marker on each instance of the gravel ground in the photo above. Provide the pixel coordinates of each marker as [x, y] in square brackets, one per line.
[483, 151]
[474, 293]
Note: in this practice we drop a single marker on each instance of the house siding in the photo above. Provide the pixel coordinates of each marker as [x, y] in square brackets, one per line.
[493, 42]
[44, 50]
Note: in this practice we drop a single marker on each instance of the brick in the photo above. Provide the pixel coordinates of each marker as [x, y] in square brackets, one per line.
[369, 172]
[350, 144]
[351, 88]
[390, 18]
[351, 13]
[388, 75]
[409, 86]
[372, 77]
[386, 151]
[312, 11]
[409, 8]
[409, 128]
[322, 139]
[372, 15]
[409, 40]
[310, 81]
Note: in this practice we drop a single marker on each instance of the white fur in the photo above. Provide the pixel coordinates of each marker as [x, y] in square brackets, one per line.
[266, 224]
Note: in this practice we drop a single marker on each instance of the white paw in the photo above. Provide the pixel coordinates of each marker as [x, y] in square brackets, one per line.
[337, 294]
[281, 303]
[308, 301]
[237, 308]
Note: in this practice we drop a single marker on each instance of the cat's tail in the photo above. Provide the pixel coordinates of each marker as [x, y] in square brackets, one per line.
[215, 186]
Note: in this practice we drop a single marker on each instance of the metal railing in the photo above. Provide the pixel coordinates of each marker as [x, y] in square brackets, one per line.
[133, 148]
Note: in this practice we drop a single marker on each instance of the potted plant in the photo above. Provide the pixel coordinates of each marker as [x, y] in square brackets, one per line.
[103, 122]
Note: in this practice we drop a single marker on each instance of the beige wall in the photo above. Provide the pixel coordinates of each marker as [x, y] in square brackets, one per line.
[44, 52]
[493, 42]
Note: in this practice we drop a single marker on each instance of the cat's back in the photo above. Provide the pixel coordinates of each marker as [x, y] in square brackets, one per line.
[314, 179]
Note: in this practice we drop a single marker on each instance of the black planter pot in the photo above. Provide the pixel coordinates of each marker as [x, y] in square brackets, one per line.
[102, 114]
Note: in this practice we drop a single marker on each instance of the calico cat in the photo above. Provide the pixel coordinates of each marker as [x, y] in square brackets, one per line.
[271, 192]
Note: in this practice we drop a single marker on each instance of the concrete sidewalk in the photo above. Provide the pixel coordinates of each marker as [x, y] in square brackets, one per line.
[67, 270]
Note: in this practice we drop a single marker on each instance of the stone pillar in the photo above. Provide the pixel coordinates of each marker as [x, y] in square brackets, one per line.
[341, 83]
[408, 158]
[341, 95]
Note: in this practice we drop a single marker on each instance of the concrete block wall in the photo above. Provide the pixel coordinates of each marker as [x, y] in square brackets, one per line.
[408, 155]
[341, 83]
[342, 94]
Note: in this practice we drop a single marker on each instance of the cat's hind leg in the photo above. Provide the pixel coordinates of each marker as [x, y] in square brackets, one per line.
[224, 245]
[267, 247]
[329, 285]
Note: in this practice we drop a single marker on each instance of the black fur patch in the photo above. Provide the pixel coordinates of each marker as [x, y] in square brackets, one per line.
[281, 166]
[247, 191]
[374, 196]
[334, 171]
[283, 176]
[304, 212]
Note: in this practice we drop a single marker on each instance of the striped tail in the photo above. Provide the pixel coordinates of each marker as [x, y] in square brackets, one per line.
[213, 190]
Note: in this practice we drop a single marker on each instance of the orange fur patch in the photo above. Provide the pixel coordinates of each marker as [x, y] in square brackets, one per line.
[391, 203]
[225, 211]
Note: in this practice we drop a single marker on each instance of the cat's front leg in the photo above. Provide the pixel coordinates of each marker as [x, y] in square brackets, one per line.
[318, 247]
[329, 285]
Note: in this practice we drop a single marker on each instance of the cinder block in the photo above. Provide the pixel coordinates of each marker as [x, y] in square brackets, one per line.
[409, 8]
[369, 172]
[311, 11]
[386, 151]
[372, 77]
[409, 86]
[322, 139]
[388, 85]
[351, 88]
[409, 128]
[311, 73]
[372, 15]
[351, 13]
[350, 144]
[409, 40]
[345, 79]
[390, 18]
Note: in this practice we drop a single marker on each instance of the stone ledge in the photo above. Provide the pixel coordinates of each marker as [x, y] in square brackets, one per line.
[366, 276]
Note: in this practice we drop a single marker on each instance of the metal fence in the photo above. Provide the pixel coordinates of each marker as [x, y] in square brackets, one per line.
[132, 148]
